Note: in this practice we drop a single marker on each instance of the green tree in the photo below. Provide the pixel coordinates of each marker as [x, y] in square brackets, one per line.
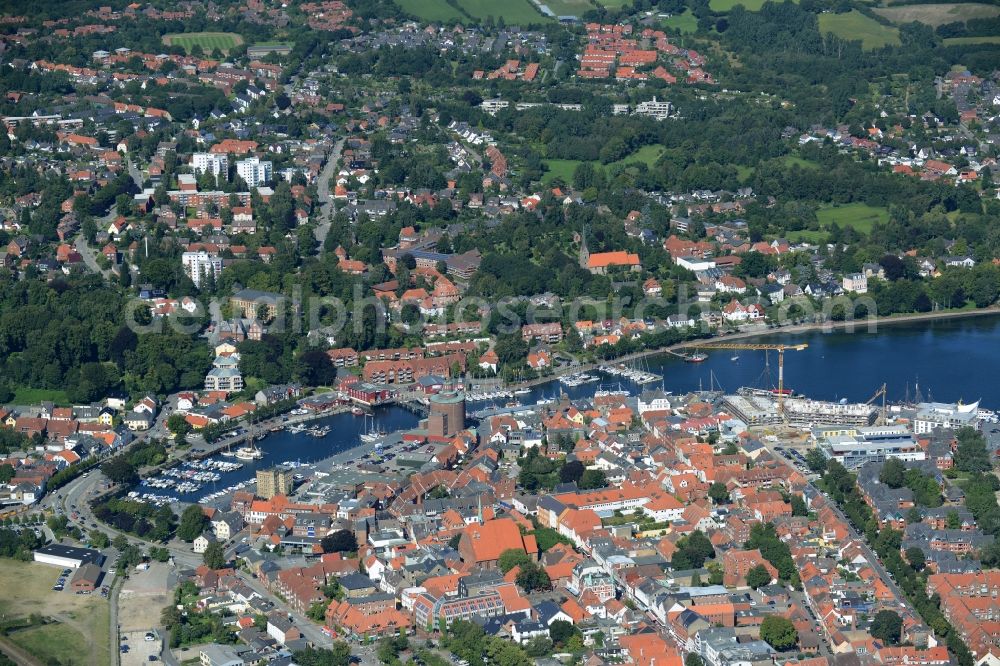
[693, 659]
[193, 523]
[718, 492]
[560, 631]
[120, 470]
[915, 556]
[99, 539]
[893, 473]
[572, 472]
[887, 626]
[338, 655]
[758, 576]
[816, 461]
[178, 425]
[341, 541]
[532, 577]
[799, 507]
[512, 557]
[593, 478]
[971, 454]
[6, 473]
[778, 632]
[214, 556]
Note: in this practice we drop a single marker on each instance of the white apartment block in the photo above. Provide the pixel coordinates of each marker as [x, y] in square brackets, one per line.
[199, 265]
[654, 108]
[217, 165]
[254, 171]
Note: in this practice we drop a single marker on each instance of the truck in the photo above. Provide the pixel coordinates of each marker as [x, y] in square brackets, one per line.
[142, 567]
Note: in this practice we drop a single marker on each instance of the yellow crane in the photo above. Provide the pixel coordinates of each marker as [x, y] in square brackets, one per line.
[781, 349]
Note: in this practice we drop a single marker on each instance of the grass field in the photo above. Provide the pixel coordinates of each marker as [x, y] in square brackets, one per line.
[646, 154]
[208, 41]
[959, 41]
[514, 12]
[568, 7]
[430, 10]
[685, 22]
[560, 169]
[31, 396]
[614, 4]
[726, 5]
[935, 15]
[807, 236]
[564, 168]
[52, 643]
[794, 160]
[854, 26]
[857, 215]
[84, 620]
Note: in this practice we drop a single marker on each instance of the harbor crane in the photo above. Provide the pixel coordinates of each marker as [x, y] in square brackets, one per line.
[880, 420]
[780, 348]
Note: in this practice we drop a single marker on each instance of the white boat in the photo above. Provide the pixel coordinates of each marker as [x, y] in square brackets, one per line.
[250, 452]
[522, 391]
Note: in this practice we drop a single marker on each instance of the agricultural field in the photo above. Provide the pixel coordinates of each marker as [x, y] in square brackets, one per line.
[859, 216]
[430, 10]
[82, 621]
[514, 12]
[856, 26]
[568, 7]
[935, 15]
[960, 41]
[685, 22]
[208, 41]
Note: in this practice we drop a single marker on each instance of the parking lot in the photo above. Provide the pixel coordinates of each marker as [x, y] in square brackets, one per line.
[136, 648]
[142, 597]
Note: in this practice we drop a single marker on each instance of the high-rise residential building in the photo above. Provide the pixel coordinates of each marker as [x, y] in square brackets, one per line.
[254, 171]
[274, 481]
[213, 163]
[200, 265]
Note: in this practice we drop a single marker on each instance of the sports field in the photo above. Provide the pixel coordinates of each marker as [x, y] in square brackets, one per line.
[208, 41]
[935, 15]
[859, 216]
[854, 26]
[430, 10]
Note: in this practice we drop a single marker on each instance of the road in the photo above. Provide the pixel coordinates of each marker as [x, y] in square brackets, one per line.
[87, 252]
[323, 193]
[78, 491]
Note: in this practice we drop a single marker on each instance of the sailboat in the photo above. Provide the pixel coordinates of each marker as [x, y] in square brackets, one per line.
[249, 451]
[371, 435]
[735, 357]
